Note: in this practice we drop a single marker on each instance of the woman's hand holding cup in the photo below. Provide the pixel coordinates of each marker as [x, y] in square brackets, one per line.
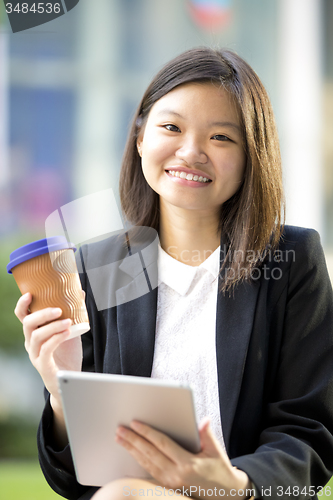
[51, 308]
[53, 313]
[50, 349]
[45, 337]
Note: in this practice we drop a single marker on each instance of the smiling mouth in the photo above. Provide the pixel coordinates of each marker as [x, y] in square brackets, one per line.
[189, 177]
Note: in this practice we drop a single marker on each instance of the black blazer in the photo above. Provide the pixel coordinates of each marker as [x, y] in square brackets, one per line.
[274, 345]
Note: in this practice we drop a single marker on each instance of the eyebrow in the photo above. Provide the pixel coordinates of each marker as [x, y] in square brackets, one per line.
[226, 124]
[212, 124]
[169, 112]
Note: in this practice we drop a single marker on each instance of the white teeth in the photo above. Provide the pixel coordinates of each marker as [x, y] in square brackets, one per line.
[188, 177]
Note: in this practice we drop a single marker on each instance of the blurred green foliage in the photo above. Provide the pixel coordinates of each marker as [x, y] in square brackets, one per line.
[11, 336]
[18, 438]
[17, 433]
[23, 480]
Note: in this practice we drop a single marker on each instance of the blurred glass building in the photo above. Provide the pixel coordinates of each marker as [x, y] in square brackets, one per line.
[68, 90]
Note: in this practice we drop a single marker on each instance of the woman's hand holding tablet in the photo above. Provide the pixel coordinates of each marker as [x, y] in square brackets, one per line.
[172, 465]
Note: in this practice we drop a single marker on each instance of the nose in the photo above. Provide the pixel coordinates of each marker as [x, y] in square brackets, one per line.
[191, 151]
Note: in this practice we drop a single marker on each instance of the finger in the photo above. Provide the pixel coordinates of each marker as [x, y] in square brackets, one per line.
[139, 457]
[45, 363]
[161, 441]
[147, 455]
[84, 294]
[22, 307]
[146, 448]
[209, 444]
[40, 336]
[47, 348]
[205, 422]
[37, 319]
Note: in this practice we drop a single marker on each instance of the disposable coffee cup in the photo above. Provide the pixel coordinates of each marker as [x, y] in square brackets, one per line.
[47, 269]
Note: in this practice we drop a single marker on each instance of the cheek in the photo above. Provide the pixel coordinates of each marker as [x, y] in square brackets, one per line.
[233, 167]
[152, 161]
[157, 146]
[150, 176]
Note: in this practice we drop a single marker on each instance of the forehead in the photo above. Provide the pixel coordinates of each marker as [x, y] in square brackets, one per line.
[209, 99]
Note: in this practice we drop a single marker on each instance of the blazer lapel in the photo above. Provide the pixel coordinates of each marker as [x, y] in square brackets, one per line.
[234, 320]
[136, 311]
[136, 321]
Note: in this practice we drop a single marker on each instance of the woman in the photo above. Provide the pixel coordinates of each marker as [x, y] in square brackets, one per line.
[202, 168]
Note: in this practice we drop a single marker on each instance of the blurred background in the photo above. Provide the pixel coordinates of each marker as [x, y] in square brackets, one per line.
[68, 90]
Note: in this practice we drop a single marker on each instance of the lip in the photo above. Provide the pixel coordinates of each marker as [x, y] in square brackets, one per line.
[189, 171]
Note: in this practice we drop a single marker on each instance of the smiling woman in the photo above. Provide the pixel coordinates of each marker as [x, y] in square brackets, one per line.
[208, 110]
[192, 139]
[242, 308]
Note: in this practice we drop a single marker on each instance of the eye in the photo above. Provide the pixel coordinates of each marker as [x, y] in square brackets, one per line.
[171, 128]
[220, 137]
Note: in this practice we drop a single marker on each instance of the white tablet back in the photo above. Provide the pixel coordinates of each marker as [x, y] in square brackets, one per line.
[96, 404]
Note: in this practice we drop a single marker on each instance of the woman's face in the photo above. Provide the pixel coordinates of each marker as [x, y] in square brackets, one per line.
[191, 148]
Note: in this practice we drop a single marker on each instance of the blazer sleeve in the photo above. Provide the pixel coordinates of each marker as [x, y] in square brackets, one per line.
[294, 457]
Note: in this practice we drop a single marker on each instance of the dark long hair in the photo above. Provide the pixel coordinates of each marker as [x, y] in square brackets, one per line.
[252, 219]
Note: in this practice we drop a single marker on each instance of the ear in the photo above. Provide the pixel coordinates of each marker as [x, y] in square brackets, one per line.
[141, 125]
[139, 145]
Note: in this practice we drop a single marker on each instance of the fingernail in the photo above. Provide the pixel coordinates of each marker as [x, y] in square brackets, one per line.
[66, 322]
[25, 296]
[56, 311]
[205, 422]
[121, 431]
[136, 425]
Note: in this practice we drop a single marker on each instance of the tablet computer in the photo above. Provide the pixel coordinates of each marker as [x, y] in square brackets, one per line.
[95, 404]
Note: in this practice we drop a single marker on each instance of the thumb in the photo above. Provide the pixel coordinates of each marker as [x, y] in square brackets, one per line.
[209, 444]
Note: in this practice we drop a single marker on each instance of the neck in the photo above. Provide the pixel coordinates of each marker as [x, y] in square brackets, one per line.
[189, 236]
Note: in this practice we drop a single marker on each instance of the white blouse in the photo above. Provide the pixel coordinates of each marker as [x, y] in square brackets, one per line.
[185, 348]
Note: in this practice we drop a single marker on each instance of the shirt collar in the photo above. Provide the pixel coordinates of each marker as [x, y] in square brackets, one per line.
[179, 276]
